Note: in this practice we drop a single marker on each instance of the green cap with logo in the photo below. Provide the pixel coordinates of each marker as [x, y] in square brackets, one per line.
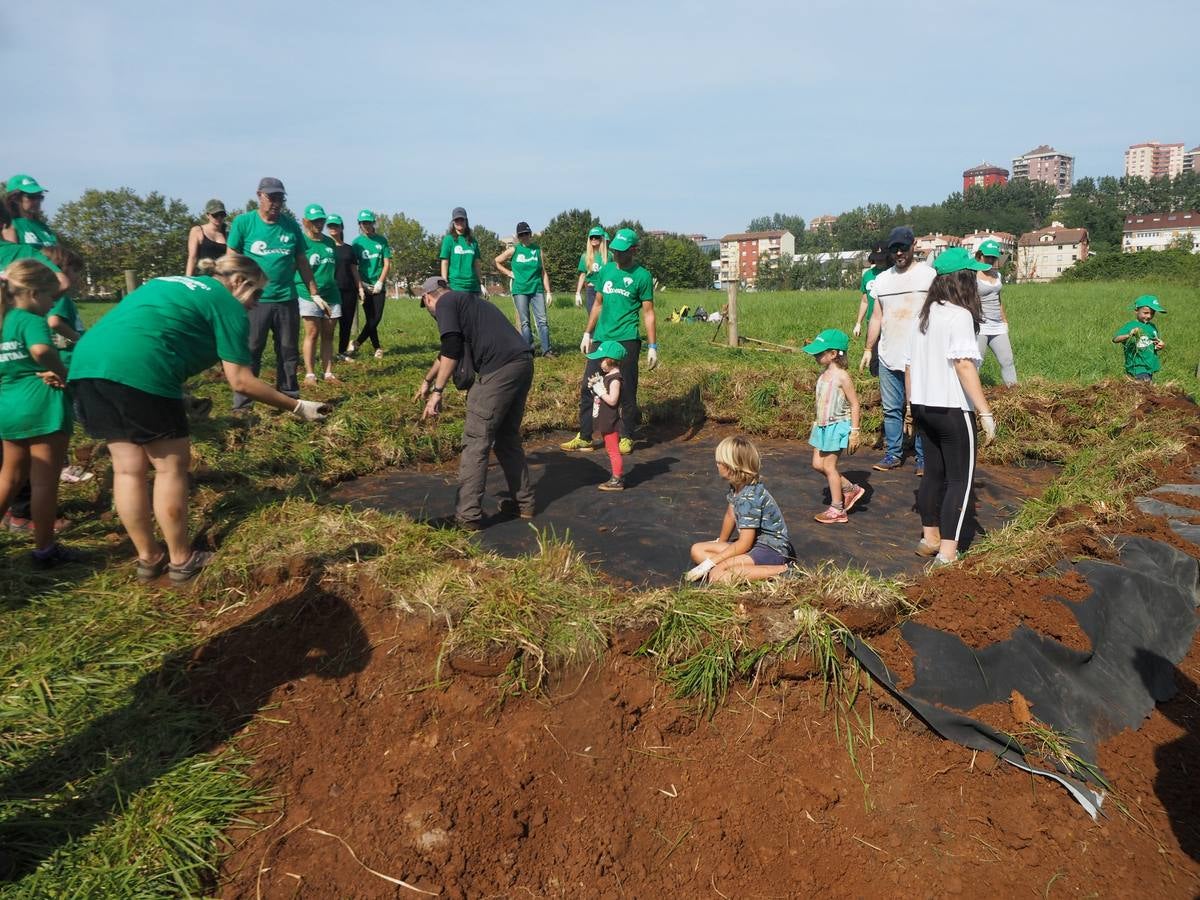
[598, 232]
[829, 339]
[625, 239]
[365, 215]
[1149, 301]
[333, 220]
[956, 259]
[608, 350]
[990, 247]
[26, 184]
[314, 211]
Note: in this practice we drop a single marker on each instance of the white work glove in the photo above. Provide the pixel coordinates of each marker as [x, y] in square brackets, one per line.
[578, 299]
[549, 299]
[697, 573]
[310, 410]
[857, 329]
[585, 346]
[377, 287]
[599, 389]
[652, 358]
[865, 361]
[320, 303]
[988, 423]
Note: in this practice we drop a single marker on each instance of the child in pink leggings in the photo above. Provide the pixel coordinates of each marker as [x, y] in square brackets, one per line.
[606, 407]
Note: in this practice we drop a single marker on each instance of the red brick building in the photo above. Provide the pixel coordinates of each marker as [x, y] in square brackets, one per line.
[984, 175]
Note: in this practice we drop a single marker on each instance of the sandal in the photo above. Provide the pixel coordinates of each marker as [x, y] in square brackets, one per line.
[148, 571]
[74, 475]
[190, 569]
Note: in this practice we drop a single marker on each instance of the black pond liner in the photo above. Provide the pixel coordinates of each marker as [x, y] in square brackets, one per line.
[1140, 619]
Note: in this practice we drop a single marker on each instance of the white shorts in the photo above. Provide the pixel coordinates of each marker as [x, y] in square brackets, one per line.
[310, 310]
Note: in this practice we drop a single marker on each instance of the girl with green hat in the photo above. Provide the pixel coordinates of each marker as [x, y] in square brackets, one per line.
[318, 315]
[374, 255]
[591, 261]
[835, 426]
[24, 201]
[209, 239]
[1140, 339]
[993, 330]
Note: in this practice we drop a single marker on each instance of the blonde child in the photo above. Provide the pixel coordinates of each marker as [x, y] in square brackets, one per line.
[762, 548]
[1140, 337]
[606, 407]
[836, 426]
[35, 412]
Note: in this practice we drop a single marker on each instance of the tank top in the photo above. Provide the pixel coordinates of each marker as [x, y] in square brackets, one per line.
[209, 249]
[989, 298]
[831, 401]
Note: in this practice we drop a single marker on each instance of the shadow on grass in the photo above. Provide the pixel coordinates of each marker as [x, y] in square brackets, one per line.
[197, 700]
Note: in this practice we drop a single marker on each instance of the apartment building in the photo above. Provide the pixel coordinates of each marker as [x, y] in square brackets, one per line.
[1191, 160]
[1045, 254]
[1044, 163]
[984, 175]
[1158, 231]
[819, 222]
[928, 246]
[1153, 160]
[1007, 242]
[740, 253]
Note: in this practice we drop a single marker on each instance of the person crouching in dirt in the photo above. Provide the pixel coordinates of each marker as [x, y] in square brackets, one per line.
[476, 336]
[762, 548]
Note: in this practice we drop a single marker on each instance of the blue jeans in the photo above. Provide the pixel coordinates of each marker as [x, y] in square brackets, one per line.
[535, 303]
[891, 392]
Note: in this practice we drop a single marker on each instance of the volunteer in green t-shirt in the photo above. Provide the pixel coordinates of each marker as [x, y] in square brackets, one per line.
[317, 314]
[530, 286]
[591, 261]
[35, 411]
[274, 240]
[28, 222]
[128, 379]
[879, 261]
[10, 252]
[374, 255]
[1140, 339]
[625, 292]
[461, 267]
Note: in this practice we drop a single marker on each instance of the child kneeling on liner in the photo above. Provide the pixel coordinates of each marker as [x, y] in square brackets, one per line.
[762, 548]
[835, 428]
[1141, 341]
[606, 407]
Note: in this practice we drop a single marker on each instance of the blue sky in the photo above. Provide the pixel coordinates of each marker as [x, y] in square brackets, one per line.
[688, 116]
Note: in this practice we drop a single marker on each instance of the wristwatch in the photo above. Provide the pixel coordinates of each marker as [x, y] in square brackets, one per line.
[436, 390]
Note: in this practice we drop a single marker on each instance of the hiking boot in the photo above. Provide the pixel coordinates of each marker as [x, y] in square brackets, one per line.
[831, 516]
[613, 484]
[852, 496]
[191, 568]
[577, 444]
[625, 445]
[54, 555]
[148, 571]
[888, 462]
[925, 550]
[508, 507]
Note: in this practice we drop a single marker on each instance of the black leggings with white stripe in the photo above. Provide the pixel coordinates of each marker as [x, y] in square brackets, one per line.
[944, 497]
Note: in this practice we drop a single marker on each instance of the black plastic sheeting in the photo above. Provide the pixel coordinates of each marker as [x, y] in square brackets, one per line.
[1140, 619]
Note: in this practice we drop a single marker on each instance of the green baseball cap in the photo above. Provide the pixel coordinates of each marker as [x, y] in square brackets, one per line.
[26, 184]
[608, 350]
[956, 259]
[1148, 300]
[333, 220]
[598, 232]
[625, 239]
[829, 339]
[314, 211]
[365, 215]
[214, 206]
[990, 247]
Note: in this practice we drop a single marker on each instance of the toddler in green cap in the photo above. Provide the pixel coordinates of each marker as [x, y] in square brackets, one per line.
[835, 426]
[606, 407]
[1140, 339]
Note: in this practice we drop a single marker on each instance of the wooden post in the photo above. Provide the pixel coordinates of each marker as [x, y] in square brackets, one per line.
[731, 320]
[130, 283]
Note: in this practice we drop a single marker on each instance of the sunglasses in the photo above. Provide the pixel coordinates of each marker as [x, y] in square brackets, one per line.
[36, 197]
[276, 198]
[458, 220]
[220, 214]
[900, 248]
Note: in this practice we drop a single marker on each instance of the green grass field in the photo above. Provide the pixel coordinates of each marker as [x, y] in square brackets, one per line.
[107, 779]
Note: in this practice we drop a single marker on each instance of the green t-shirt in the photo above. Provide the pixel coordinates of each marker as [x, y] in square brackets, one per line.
[163, 333]
[594, 271]
[462, 255]
[864, 283]
[622, 294]
[29, 407]
[34, 233]
[323, 260]
[64, 307]
[526, 265]
[1140, 356]
[274, 247]
[371, 251]
[10, 253]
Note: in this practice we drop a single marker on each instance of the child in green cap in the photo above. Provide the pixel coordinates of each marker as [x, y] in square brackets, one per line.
[606, 407]
[1140, 339]
[835, 427]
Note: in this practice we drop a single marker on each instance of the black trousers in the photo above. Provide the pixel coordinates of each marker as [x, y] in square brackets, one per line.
[282, 321]
[944, 497]
[346, 322]
[630, 415]
[372, 316]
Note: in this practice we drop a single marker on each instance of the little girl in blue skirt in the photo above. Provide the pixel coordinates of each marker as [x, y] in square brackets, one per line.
[836, 426]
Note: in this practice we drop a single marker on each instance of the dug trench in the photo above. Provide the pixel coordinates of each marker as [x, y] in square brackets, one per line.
[408, 764]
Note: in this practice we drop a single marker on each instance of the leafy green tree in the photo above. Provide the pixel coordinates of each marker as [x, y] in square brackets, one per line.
[490, 246]
[414, 250]
[778, 222]
[118, 230]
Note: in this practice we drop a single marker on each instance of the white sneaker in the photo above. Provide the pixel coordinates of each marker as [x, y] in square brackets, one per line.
[379, 353]
[351, 347]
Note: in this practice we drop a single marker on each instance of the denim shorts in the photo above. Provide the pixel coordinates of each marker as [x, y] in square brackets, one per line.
[767, 556]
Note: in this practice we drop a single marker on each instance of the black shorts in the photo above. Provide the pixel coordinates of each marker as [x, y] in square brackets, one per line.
[117, 412]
